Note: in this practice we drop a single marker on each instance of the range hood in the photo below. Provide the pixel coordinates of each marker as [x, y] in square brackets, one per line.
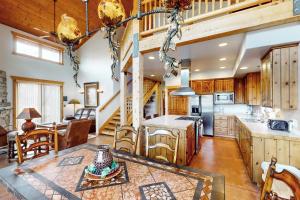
[184, 89]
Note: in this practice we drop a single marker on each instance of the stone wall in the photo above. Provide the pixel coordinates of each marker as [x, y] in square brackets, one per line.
[5, 107]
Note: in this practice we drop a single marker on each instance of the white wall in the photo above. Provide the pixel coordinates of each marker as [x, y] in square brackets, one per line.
[95, 62]
[16, 65]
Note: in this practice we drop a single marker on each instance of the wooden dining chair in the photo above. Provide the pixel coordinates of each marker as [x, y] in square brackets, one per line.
[285, 176]
[126, 139]
[166, 147]
[39, 143]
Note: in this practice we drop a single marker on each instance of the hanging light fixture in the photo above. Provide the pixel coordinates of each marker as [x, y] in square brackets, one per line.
[112, 15]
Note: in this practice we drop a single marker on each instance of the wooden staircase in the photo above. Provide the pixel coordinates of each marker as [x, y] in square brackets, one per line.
[150, 87]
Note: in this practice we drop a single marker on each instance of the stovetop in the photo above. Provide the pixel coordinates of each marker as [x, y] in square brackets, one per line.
[190, 118]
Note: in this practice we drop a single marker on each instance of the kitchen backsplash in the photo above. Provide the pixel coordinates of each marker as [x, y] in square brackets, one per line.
[232, 109]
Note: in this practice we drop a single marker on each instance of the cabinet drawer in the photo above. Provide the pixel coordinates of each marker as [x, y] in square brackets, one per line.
[220, 131]
[221, 123]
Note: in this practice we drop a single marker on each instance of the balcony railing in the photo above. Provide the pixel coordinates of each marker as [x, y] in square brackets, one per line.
[200, 10]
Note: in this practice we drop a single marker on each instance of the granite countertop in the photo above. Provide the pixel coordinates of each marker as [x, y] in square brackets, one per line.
[259, 129]
[168, 121]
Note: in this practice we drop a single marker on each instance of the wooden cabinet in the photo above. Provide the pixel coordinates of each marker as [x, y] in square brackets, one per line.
[224, 125]
[255, 150]
[177, 105]
[190, 144]
[203, 86]
[239, 91]
[279, 77]
[253, 89]
[224, 85]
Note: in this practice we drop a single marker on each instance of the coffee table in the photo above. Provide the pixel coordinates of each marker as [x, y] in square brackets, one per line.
[62, 177]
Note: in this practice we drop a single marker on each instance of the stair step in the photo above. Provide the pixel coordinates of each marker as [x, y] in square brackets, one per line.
[110, 127]
[108, 132]
[116, 118]
[115, 122]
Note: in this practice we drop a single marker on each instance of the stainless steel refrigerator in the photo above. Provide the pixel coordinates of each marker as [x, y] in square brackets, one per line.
[207, 113]
[205, 104]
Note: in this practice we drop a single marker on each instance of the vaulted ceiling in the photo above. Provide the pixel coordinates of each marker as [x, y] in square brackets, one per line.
[36, 16]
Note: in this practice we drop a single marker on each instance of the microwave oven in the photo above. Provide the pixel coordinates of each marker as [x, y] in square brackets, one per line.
[224, 98]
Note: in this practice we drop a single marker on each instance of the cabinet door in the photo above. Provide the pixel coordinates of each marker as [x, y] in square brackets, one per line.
[253, 89]
[190, 144]
[196, 86]
[285, 78]
[276, 79]
[294, 154]
[207, 87]
[177, 105]
[231, 126]
[293, 78]
[266, 81]
[239, 91]
[282, 152]
[219, 84]
[228, 85]
[258, 158]
[270, 149]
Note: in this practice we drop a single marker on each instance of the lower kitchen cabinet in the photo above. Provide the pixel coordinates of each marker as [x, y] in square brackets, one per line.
[224, 125]
[255, 150]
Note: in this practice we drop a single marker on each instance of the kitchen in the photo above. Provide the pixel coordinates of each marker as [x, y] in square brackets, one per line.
[238, 108]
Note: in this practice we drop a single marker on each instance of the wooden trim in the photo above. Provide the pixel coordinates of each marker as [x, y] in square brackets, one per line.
[40, 44]
[17, 79]
[112, 98]
[32, 39]
[279, 47]
[35, 80]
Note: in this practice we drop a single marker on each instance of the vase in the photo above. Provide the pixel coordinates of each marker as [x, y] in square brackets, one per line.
[103, 158]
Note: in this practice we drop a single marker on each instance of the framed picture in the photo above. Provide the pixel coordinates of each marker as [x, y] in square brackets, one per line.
[91, 97]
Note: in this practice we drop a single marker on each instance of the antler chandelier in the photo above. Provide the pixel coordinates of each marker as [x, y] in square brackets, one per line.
[112, 14]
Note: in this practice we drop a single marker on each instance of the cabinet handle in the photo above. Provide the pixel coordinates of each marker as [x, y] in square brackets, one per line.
[286, 83]
[294, 61]
[291, 106]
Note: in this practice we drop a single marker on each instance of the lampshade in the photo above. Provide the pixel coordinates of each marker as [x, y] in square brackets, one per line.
[111, 12]
[74, 101]
[29, 113]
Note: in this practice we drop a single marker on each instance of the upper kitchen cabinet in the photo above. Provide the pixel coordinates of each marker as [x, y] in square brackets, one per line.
[224, 85]
[203, 86]
[253, 89]
[239, 91]
[279, 76]
[177, 105]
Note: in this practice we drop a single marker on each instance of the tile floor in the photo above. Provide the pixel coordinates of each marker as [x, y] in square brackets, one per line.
[218, 155]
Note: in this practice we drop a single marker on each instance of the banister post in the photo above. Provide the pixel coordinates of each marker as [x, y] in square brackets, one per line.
[138, 82]
[123, 97]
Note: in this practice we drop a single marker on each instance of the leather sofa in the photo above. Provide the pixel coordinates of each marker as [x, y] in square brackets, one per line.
[84, 113]
[76, 133]
[3, 137]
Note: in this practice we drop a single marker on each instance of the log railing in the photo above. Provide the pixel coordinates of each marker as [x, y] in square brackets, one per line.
[200, 10]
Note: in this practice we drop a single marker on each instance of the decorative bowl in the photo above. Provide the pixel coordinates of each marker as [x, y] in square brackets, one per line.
[103, 159]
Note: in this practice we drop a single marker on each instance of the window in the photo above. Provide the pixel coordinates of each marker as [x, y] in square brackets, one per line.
[24, 45]
[44, 96]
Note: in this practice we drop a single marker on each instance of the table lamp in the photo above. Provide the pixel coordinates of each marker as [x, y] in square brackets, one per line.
[74, 102]
[28, 114]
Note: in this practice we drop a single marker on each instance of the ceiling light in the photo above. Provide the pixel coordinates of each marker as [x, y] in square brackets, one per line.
[244, 68]
[197, 70]
[224, 44]
[222, 67]
[223, 59]
[151, 57]
[152, 75]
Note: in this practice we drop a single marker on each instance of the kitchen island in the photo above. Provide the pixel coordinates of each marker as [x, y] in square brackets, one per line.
[185, 128]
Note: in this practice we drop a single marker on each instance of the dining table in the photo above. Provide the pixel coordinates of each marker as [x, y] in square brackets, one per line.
[63, 176]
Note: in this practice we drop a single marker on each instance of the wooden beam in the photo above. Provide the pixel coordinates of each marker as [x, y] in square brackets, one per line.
[243, 21]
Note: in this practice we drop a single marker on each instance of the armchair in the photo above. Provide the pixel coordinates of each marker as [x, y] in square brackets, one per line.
[3, 137]
[84, 113]
[75, 134]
